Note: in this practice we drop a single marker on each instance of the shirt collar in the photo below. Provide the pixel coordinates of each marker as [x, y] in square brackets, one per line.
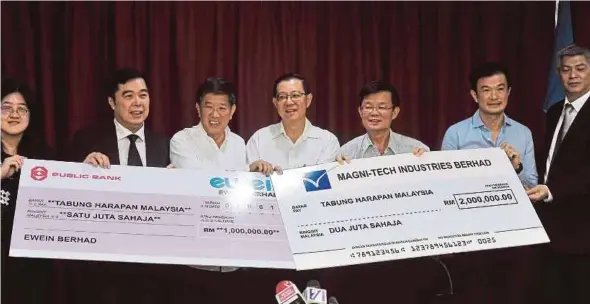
[309, 131]
[478, 123]
[201, 132]
[368, 142]
[123, 132]
[578, 103]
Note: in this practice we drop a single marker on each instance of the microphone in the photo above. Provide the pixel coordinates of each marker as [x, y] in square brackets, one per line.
[313, 294]
[332, 300]
[288, 293]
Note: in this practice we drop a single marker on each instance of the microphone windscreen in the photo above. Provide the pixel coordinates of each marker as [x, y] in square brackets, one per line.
[332, 300]
[282, 285]
[313, 283]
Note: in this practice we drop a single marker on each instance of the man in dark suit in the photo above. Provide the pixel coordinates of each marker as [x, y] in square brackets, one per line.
[126, 141]
[562, 198]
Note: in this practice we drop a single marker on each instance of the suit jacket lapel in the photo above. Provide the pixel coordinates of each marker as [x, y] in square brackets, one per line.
[111, 146]
[578, 128]
[580, 124]
[151, 153]
[552, 120]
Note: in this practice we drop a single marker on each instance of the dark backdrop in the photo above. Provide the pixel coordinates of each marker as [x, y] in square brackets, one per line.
[426, 50]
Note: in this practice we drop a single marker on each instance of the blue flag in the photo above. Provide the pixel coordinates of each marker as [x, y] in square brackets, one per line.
[564, 36]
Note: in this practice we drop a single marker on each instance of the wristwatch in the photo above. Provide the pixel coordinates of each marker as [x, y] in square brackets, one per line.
[519, 169]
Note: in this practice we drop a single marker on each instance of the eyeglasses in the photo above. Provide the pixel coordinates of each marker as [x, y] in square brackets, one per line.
[295, 96]
[6, 110]
[366, 109]
[220, 109]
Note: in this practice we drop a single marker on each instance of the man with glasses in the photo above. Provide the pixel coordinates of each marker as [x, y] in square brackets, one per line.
[379, 105]
[294, 142]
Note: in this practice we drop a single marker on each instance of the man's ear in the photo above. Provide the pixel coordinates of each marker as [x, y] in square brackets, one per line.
[474, 95]
[198, 109]
[232, 111]
[111, 103]
[309, 98]
[395, 112]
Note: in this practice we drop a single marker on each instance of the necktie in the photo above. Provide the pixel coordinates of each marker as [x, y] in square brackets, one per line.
[568, 117]
[133, 158]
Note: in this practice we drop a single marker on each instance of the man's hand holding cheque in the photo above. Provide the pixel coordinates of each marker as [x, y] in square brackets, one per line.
[98, 159]
[513, 155]
[539, 193]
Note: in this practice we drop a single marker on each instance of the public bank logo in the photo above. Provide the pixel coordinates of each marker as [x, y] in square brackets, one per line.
[38, 173]
[316, 180]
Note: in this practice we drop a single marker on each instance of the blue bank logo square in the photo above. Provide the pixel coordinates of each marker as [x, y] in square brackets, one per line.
[316, 180]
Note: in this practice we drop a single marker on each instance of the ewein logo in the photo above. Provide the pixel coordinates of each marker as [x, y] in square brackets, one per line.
[38, 173]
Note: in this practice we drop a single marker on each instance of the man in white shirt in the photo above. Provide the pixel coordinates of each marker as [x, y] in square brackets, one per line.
[211, 143]
[294, 142]
[562, 198]
[379, 105]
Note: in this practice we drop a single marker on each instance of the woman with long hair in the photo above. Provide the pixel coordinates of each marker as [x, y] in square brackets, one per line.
[22, 137]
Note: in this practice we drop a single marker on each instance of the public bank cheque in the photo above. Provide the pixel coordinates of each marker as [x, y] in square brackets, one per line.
[403, 206]
[148, 215]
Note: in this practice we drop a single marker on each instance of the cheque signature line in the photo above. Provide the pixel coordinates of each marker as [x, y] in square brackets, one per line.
[371, 217]
[319, 251]
[111, 210]
[106, 232]
[519, 229]
[120, 222]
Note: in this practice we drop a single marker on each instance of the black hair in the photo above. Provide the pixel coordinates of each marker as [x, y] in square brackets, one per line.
[376, 87]
[219, 86]
[287, 77]
[487, 69]
[120, 77]
[33, 141]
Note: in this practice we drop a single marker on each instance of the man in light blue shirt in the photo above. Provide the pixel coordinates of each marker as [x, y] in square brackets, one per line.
[491, 127]
[379, 105]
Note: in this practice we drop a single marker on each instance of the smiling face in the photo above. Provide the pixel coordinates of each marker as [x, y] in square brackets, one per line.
[291, 101]
[15, 114]
[492, 94]
[131, 104]
[215, 112]
[377, 111]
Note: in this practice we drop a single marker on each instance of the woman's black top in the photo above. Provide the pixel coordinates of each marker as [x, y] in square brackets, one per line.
[24, 280]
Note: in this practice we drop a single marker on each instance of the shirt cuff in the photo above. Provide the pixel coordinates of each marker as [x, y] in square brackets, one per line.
[549, 198]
